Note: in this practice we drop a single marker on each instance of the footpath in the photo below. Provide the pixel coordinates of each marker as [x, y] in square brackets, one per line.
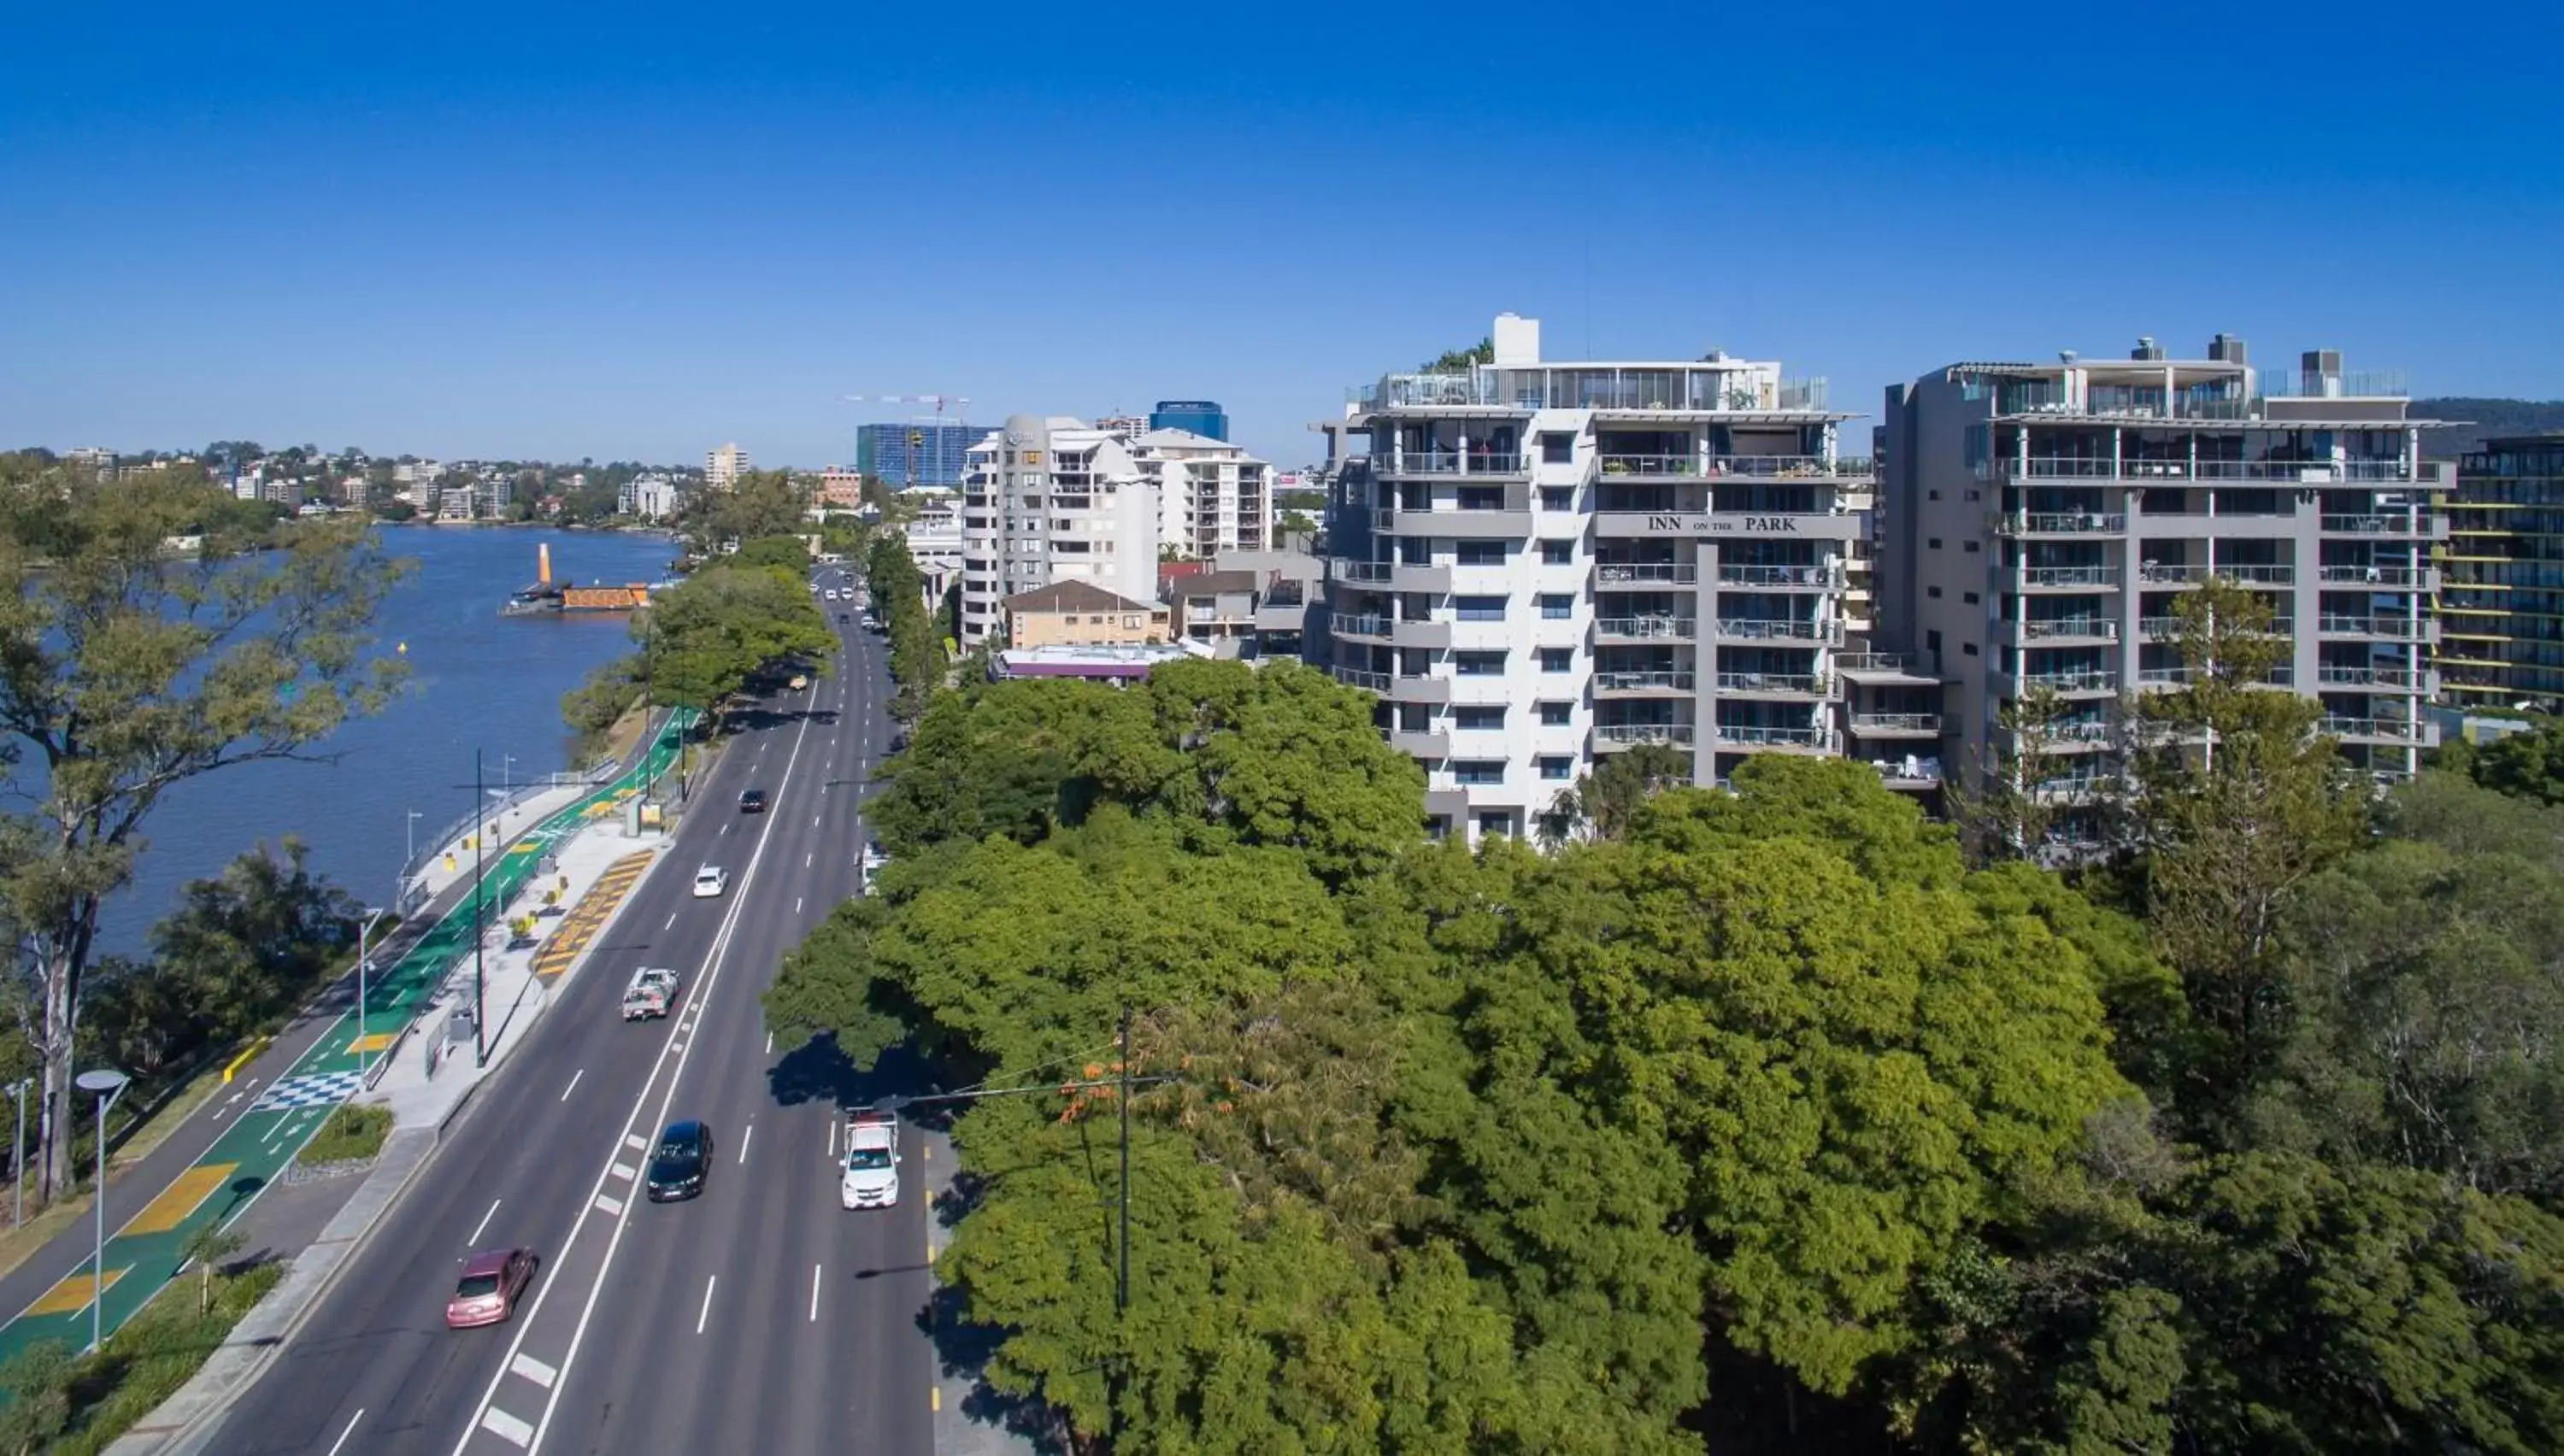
[279, 1100]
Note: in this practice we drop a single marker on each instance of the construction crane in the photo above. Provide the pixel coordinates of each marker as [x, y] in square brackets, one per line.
[916, 437]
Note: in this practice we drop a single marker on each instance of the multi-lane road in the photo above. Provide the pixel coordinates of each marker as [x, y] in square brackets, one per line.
[758, 1317]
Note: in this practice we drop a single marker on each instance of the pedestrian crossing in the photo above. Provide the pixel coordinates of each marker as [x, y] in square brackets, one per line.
[317, 1089]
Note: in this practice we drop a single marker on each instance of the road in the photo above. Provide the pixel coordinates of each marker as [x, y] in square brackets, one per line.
[760, 1316]
[220, 1161]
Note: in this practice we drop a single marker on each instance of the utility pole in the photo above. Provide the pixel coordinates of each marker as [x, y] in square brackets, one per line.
[480, 888]
[1122, 1271]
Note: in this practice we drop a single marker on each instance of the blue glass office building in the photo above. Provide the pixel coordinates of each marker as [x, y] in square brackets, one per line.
[939, 453]
[1201, 416]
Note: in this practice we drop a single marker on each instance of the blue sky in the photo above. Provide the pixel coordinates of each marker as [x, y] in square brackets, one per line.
[466, 230]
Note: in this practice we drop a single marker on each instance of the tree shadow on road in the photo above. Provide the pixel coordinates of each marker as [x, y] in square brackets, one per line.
[962, 1350]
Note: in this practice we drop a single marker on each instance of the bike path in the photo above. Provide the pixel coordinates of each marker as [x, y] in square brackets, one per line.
[143, 1254]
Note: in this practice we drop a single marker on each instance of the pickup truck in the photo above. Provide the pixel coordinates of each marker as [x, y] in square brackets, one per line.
[872, 1161]
[652, 993]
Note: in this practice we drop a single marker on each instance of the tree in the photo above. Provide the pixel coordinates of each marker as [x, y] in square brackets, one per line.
[598, 703]
[2238, 801]
[761, 503]
[39, 1409]
[779, 552]
[1607, 799]
[2526, 764]
[1452, 362]
[2000, 807]
[124, 673]
[703, 639]
[210, 1244]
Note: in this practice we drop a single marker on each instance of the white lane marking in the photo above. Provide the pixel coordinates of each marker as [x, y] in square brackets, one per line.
[806, 858]
[701, 1320]
[483, 1226]
[814, 1294]
[832, 1137]
[743, 1142]
[769, 1043]
[796, 904]
[672, 922]
[814, 821]
[504, 1426]
[719, 958]
[725, 829]
[340, 1443]
[573, 1083]
[635, 1142]
[623, 1170]
[611, 1207]
[535, 1370]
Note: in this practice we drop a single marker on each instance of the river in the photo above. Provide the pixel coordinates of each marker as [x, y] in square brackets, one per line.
[478, 680]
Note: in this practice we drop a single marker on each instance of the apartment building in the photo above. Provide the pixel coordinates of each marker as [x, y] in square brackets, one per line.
[1541, 564]
[933, 535]
[723, 466]
[1080, 614]
[920, 453]
[1250, 604]
[1052, 500]
[2501, 607]
[2042, 521]
[841, 489]
[1212, 496]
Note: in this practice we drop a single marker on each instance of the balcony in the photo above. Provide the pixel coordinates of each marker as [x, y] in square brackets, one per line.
[2071, 630]
[2162, 629]
[1368, 682]
[1666, 628]
[1643, 684]
[1420, 687]
[1879, 667]
[2061, 523]
[2391, 578]
[1785, 468]
[2415, 525]
[2401, 730]
[1896, 725]
[2069, 578]
[2392, 629]
[1775, 684]
[2259, 576]
[2392, 679]
[1419, 633]
[1759, 736]
[2172, 573]
[1631, 734]
[1372, 627]
[1457, 522]
[1790, 630]
[1811, 577]
[1644, 573]
[2173, 677]
[1359, 573]
[1914, 771]
[1479, 464]
[1474, 389]
[2079, 682]
[1418, 745]
[1655, 467]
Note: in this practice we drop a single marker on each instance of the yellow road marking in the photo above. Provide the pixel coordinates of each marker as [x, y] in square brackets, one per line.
[72, 1295]
[180, 1198]
[233, 1069]
[373, 1042]
[935, 1398]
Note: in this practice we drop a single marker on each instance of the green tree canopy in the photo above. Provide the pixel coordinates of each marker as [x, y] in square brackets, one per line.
[704, 639]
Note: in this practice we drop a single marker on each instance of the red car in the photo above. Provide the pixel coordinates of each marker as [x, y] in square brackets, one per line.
[488, 1290]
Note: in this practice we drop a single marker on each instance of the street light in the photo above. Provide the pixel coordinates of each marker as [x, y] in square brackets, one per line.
[409, 843]
[106, 1084]
[362, 965]
[480, 894]
[18, 1152]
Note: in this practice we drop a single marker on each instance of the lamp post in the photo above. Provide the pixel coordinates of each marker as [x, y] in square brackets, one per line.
[104, 1084]
[479, 892]
[409, 856]
[363, 965]
[18, 1154]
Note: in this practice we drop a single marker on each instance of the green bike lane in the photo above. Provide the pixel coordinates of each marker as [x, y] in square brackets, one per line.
[145, 1253]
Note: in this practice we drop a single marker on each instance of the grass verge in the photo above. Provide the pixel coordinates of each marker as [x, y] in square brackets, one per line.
[350, 1135]
[79, 1404]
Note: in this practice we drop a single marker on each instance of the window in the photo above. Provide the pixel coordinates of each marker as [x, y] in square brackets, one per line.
[1478, 664]
[1558, 659]
[1496, 824]
[1477, 717]
[1932, 642]
[1557, 497]
[1969, 597]
[1557, 447]
[1478, 771]
[1557, 768]
[1557, 606]
[1555, 714]
[1933, 591]
[1931, 494]
[1966, 649]
[1479, 554]
[1557, 553]
[1479, 608]
[1934, 543]
[1971, 547]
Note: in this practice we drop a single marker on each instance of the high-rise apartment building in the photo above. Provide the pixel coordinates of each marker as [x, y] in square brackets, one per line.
[1539, 564]
[1212, 496]
[724, 467]
[2502, 608]
[1047, 501]
[2042, 521]
[926, 453]
[1202, 417]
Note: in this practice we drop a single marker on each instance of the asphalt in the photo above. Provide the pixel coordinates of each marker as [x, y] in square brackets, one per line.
[219, 1163]
[758, 1317]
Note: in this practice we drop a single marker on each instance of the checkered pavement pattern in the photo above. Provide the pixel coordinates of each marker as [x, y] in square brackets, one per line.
[320, 1089]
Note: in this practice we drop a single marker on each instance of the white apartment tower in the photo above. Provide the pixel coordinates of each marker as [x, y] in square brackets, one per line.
[1212, 496]
[1543, 563]
[724, 467]
[1047, 501]
[2042, 520]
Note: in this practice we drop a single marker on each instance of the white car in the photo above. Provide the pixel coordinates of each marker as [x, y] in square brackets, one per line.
[709, 882]
[832, 593]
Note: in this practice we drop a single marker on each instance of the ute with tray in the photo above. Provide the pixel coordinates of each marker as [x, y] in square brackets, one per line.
[652, 993]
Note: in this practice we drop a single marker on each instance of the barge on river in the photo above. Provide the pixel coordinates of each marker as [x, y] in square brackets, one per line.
[548, 596]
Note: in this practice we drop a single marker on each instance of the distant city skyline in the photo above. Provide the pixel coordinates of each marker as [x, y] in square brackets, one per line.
[378, 231]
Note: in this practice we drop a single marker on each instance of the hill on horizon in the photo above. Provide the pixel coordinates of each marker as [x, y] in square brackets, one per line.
[2484, 419]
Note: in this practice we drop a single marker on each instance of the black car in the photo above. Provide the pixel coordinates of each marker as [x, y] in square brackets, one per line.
[752, 802]
[899, 740]
[678, 1162]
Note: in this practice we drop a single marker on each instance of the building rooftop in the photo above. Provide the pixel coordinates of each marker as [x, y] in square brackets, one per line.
[1112, 663]
[1210, 583]
[1072, 596]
